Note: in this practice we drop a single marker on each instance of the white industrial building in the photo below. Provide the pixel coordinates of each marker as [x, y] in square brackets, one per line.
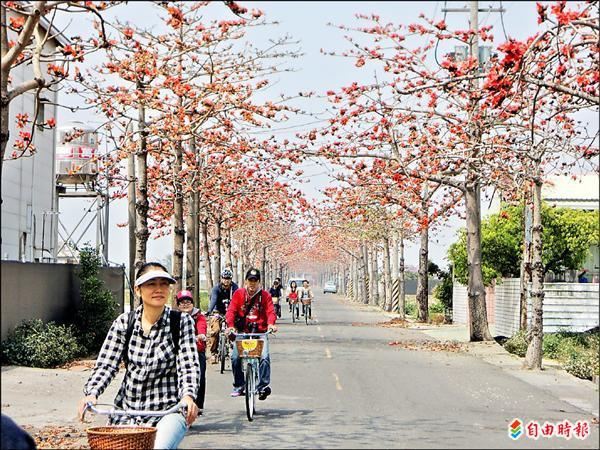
[29, 218]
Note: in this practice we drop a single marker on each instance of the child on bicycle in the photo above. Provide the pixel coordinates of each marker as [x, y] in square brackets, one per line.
[156, 377]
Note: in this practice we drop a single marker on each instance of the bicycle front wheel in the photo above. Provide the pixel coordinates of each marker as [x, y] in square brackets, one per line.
[223, 353]
[250, 392]
[294, 314]
[306, 313]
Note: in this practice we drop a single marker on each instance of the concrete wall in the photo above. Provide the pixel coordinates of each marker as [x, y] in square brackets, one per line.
[47, 291]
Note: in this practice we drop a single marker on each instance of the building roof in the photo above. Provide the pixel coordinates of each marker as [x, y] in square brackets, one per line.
[585, 188]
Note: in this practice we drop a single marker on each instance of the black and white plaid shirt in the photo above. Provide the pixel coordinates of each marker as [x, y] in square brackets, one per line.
[153, 380]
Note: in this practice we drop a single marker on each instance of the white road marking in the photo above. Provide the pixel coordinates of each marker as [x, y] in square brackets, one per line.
[319, 328]
[338, 386]
[327, 353]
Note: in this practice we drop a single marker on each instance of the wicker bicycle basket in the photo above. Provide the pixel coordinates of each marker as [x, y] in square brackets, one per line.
[250, 348]
[121, 437]
[306, 301]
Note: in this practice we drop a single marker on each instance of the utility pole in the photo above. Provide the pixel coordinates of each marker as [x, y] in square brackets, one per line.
[474, 11]
[477, 308]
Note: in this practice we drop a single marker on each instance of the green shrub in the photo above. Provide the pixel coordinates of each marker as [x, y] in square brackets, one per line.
[36, 344]
[517, 344]
[98, 308]
[410, 309]
[583, 364]
[436, 308]
[443, 291]
[552, 345]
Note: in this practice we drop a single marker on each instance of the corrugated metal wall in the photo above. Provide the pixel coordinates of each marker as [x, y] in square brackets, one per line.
[574, 306]
[507, 307]
[570, 306]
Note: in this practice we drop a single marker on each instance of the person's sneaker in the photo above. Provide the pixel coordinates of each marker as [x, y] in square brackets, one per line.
[264, 393]
[214, 359]
[237, 392]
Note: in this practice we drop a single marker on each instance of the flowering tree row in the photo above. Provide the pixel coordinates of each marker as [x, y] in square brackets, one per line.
[432, 121]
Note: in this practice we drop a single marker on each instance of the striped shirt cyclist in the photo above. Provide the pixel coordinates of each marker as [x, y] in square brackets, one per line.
[155, 379]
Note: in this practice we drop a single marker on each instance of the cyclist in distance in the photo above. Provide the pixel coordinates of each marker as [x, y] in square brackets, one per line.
[305, 293]
[220, 294]
[275, 292]
[158, 376]
[292, 297]
[251, 311]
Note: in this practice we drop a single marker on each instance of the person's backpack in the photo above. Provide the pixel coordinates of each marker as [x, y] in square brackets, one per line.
[174, 318]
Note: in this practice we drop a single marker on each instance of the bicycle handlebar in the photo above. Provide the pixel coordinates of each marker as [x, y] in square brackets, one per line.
[252, 334]
[131, 412]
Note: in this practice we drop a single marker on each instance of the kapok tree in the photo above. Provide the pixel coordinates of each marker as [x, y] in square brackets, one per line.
[549, 78]
[434, 117]
[427, 203]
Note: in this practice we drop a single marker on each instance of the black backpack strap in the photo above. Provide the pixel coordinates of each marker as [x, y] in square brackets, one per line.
[128, 333]
[175, 318]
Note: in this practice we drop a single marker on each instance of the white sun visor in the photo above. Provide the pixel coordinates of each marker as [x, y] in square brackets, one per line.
[154, 274]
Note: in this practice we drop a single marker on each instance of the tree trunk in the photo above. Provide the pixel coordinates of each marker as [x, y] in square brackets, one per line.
[401, 278]
[206, 253]
[387, 274]
[218, 240]
[178, 224]
[422, 282]
[190, 245]
[355, 278]
[525, 270]
[141, 190]
[533, 358]
[264, 267]
[478, 325]
[131, 221]
[364, 291]
[372, 258]
[229, 244]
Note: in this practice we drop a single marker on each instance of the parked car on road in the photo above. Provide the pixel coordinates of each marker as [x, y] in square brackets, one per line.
[330, 287]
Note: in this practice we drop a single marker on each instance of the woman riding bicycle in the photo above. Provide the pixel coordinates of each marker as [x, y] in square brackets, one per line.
[292, 297]
[185, 303]
[157, 376]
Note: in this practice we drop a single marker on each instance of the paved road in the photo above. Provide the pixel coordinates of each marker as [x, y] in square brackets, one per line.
[338, 384]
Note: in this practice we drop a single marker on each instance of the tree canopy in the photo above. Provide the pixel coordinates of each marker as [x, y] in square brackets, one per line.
[568, 235]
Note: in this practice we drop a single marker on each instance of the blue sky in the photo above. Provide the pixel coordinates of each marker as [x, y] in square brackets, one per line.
[307, 22]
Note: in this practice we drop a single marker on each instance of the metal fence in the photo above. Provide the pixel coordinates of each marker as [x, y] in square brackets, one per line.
[567, 306]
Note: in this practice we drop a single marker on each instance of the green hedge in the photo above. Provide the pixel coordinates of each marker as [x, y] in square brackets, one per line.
[36, 344]
[578, 353]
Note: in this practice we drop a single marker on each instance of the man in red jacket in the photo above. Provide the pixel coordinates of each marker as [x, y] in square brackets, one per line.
[251, 311]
